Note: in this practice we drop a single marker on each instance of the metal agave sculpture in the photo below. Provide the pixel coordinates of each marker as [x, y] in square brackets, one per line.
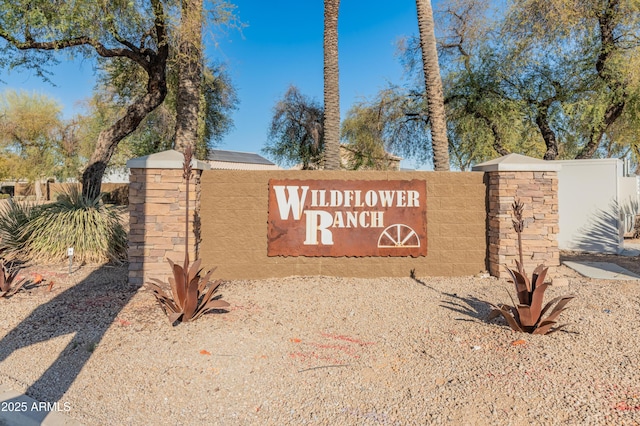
[7, 277]
[190, 298]
[527, 315]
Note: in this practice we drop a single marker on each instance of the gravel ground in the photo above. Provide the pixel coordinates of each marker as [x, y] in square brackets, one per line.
[321, 350]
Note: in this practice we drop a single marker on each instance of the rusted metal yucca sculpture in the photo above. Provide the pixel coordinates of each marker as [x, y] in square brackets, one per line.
[527, 315]
[190, 298]
[7, 277]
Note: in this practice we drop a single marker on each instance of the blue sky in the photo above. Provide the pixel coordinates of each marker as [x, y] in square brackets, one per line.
[280, 46]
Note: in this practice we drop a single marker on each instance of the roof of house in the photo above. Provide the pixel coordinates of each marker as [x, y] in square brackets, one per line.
[235, 160]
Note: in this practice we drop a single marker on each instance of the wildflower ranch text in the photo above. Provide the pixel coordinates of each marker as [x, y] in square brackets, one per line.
[347, 218]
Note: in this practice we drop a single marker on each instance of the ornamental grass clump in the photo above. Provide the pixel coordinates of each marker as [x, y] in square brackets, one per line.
[527, 315]
[13, 219]
[93, 229]
[190, 298]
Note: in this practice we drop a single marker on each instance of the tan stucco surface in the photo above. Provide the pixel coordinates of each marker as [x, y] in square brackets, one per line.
[234, 213]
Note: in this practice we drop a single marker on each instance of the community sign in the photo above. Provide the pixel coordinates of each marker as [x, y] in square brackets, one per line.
[347, 218]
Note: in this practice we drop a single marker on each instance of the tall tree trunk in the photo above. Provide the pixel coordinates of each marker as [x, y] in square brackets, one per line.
[189, 75]
[433, 85]
[331, 86]
[549, 136]
[109, 138]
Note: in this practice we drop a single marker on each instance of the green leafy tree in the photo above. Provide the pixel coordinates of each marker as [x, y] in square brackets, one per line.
[550, 79]
[604, 36]
[35, 143]
[296, 134]
[485, 110]
[157, 132]
[363, 133]
[202, 120]
[483, 121]
[397, 119]
[135, 31]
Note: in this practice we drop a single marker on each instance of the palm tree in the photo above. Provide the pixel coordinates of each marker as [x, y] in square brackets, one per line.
[189, 59]
[331, 86]
[433, 85]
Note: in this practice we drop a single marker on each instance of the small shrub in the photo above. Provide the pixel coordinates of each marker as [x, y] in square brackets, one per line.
[189, 298]
[89, 226]
[527, 315]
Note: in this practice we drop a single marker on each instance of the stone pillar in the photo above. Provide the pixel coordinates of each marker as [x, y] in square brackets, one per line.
[535, 183]
[157, 214]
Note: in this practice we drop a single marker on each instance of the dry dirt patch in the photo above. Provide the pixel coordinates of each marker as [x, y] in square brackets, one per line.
[321, 350]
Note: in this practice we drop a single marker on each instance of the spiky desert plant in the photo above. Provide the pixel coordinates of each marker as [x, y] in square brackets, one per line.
[527, 315]
[7, 277]
[92, 228]
[13, 220]
[190, 298]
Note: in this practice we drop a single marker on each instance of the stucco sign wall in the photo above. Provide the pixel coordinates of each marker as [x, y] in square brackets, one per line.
[347, 218]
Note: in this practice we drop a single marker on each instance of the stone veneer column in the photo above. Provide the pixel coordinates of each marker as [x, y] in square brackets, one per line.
[157, 207]
[535, 183]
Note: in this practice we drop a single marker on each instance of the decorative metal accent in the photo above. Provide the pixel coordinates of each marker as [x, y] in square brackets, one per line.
[190, 298]
[527, 315]
[7, 277]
